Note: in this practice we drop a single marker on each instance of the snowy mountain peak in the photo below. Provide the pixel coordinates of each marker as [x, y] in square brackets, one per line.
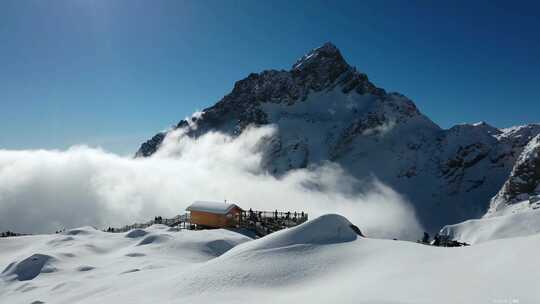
[321, 71]
[324, 110]
[328, 53]
[325, 68]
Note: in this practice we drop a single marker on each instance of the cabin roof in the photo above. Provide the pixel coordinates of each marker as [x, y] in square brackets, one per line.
[211, 207]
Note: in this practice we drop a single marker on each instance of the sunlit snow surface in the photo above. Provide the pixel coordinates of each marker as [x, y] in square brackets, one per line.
[321, 261]
[513, 221]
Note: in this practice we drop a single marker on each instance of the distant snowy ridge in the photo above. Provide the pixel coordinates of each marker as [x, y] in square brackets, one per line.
[325, 110]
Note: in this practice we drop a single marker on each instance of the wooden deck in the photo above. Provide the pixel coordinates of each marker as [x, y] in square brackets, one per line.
[260, 222]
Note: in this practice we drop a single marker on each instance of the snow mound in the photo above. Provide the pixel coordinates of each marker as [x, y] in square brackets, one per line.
[135, 254]
[81, 231]
[85, 268]
[326, 229]
[30, 267]
[154, 239]
[60, 241]
[136, 233]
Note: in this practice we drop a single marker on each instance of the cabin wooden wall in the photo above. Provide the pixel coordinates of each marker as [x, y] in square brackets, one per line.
[215, 220]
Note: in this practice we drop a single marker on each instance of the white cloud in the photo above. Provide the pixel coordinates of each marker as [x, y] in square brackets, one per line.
[42, 191]
[381, 130]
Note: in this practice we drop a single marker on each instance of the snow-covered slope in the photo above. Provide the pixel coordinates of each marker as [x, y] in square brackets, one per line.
[514, 211]
[519, 220]
[325, 110]
[320, 261]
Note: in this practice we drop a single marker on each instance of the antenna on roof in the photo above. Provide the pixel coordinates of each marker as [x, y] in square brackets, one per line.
[225, 201]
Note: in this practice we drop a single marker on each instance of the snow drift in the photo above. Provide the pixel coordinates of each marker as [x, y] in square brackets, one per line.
[326, 229]
[321, 261]
[29, 268]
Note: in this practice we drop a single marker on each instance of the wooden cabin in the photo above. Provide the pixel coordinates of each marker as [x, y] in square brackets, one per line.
[214, 214]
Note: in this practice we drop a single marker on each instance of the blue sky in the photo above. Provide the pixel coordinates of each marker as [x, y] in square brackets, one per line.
[113, 73]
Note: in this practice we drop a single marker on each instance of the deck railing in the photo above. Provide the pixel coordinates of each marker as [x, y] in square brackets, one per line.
[294, 216]
[182, 221]
[266, 222]
[262, 222]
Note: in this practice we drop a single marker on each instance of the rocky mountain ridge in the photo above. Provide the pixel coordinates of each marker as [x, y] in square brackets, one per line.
[524, 181]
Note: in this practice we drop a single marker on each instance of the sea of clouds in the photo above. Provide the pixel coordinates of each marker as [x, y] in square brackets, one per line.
[42, 191]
